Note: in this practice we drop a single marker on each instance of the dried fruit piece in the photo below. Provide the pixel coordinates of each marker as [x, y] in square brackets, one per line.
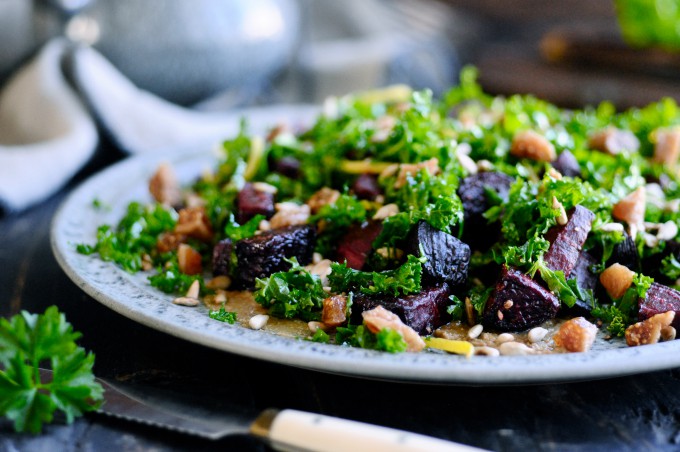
[188, 260]
[164, 186]
[334, 310]
[616, 279]
[631, 209]
[576, 335]
[666, 146]
[532, 145]
[614, 141]
[531, 303]
[648, 331]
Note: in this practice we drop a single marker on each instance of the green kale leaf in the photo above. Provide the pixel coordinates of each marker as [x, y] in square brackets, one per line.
[402, 280]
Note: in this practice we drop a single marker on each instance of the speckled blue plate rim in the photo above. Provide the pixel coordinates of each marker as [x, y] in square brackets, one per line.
[130, 295]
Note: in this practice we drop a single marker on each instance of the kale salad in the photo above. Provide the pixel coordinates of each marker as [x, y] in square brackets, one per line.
[473, 224]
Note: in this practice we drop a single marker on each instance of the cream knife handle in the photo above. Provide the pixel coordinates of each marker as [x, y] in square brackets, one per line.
[292, 430]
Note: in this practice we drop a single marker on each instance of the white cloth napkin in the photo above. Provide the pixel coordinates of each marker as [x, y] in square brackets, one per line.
[47, 135]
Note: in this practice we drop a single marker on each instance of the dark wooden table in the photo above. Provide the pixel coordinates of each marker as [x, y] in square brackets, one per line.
[639, 412]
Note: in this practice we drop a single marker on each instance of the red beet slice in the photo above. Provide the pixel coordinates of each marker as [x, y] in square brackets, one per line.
[567, 164]
[221, 257]
[660, 299]
[566, 241]
[366, 187]
[518, 303]
[355, 246]
[424, 312]
[253, 202]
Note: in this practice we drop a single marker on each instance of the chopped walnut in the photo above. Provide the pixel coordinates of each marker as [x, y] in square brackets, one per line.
[189, 260]
[378, 318]
[334, 311]
[322, 197]
[614, 141]
[666, 146]
[164, 186]
[576, 335]
[532, 145]
[411, 169]
[194, 222]
[289, 214]
[616, 279]
[169, 241]
[649, 331]
[631, 209]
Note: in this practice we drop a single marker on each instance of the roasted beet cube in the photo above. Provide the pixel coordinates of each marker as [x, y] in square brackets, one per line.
[424, 312]
[263, 254]
[253, 202]
[221, 257]
[366, 187]
[626, 254]
[660, 299]
[518, 303]
[288, 166]
[355, 246]
[566, 241]
[478, 233]
[447, 257]
[567, 164]
[586, 280]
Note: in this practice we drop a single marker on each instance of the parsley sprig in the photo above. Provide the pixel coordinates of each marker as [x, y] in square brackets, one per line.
[28, 341]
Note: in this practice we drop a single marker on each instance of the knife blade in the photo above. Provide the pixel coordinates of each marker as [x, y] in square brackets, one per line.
[285, 429]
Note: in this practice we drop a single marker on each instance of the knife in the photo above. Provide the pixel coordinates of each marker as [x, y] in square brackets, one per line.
[287, 430]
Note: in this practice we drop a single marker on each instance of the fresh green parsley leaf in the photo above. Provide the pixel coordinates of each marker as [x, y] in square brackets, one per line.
[223, 316]
[402, 280]
[456, 308]
[27, 341]
[295, 293]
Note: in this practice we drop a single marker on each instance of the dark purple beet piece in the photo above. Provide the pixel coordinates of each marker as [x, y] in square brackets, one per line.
[355, 246]
[660, 299]
[518, 303]
[366, 187]
[626, 254]
[288, 166]
[221, 257]
[424, 312]
[253, 202]
[567, 164]
[566, 241]
[586, 280]
[263, 254]
[478, 233]
[447, 257]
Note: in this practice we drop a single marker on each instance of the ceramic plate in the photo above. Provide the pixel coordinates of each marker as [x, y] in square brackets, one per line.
[132, 296]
